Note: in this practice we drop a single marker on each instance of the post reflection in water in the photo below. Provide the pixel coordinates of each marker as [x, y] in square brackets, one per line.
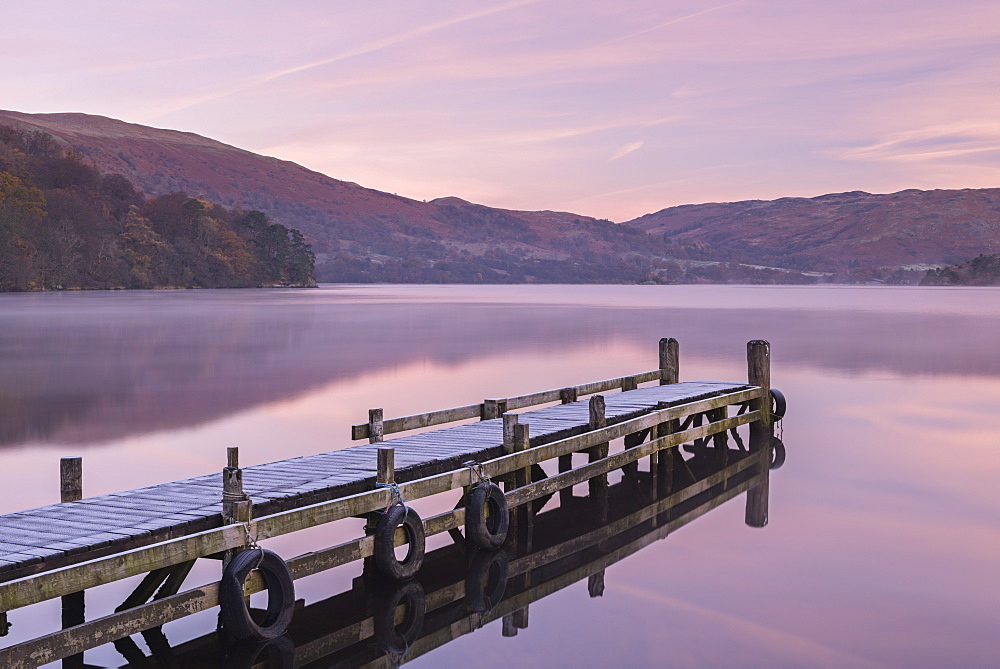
[884, 536]
[460, 588]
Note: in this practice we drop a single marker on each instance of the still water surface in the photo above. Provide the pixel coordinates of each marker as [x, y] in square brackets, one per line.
[884, 531]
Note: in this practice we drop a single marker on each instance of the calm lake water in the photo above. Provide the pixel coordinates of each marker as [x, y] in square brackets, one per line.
[884, 534]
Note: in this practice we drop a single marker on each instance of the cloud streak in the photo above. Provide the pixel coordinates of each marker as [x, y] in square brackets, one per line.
[625, 150]
[372, 47]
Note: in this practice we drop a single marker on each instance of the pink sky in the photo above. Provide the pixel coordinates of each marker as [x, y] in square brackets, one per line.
[608, 109]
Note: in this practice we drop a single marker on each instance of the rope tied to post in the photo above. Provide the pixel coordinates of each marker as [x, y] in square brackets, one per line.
[477, 469]
[395, 498]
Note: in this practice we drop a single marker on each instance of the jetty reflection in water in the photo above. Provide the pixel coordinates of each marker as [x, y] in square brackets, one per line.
[461, 589]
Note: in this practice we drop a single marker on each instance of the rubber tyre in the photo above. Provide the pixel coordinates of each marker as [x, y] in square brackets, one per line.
[276, 653]
[280, 596]
[392, 638]
[486, 580]
[777, 453]
[482, 532]
[384, 553]
[778, 404]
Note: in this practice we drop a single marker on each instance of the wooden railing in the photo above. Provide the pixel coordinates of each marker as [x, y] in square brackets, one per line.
[494, 408]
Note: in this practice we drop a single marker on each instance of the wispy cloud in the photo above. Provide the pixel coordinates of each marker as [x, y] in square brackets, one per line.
[679, 19]
[625, 150]
[930, 143]
[371, 47]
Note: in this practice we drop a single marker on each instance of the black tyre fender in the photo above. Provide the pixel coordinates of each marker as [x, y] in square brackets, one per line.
[483, 532]
[778, 404]
[777, 453]
[486, 579]
[276, 653]
[392, 638]
[384, 551]
[280, 596]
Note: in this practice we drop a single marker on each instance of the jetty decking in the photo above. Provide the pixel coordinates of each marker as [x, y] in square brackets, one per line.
[60, 534]
[63, 549]
[570, 544]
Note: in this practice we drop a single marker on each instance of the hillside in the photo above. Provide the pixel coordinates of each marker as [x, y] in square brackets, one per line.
[361, 234]
[842, 230]
[64, 224]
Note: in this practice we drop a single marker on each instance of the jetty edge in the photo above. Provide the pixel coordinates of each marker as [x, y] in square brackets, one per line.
[54, 552]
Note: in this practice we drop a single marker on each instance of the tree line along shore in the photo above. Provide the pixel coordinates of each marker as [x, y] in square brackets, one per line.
[64, 225]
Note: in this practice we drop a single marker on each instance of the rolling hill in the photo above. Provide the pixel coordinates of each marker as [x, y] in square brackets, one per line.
[362, 234]
[831, 232]
[357, 233]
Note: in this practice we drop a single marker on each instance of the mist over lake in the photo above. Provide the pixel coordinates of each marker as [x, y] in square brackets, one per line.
[883, 533]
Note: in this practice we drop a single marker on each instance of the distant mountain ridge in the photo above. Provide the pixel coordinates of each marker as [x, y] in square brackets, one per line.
[911, 227]
[362, 234]
[357, 233]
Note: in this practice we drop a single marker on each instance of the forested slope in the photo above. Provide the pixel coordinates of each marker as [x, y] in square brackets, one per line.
[63, 224]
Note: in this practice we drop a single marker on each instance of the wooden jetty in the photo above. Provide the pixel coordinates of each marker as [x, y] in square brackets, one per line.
[64, 549]
[569, 544]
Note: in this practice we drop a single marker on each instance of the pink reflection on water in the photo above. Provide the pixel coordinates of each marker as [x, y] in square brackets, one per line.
[884, 526]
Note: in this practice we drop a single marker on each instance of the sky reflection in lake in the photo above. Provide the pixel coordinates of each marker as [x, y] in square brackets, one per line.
[884, 527]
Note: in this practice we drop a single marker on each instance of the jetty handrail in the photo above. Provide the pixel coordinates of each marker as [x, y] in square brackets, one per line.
[81, 576]
[60, 644]
[442, 416]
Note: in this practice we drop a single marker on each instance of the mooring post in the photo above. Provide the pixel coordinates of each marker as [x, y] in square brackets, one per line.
[70, 479]
[493, 408]
[522, 477]
[236, 506]
[720, 440]
[375, 428]
[761, 431]
[665, 456]
[566, 396]
[631, 469]
[73, 605]
[509, 421]
[386, 468]
[669, 361]
[598, 421]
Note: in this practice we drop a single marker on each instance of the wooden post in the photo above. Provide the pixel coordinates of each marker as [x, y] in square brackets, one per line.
[566, 396]
[70, 479]
[509, 421]
[631, 470]
[236, 506]
[73, 605]
[669, 361]
[491, 409]
[665, 457]
[522, 477]
[597, 421]
[386, 470]
[720, 440]
[761, 432]
[375, 431]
